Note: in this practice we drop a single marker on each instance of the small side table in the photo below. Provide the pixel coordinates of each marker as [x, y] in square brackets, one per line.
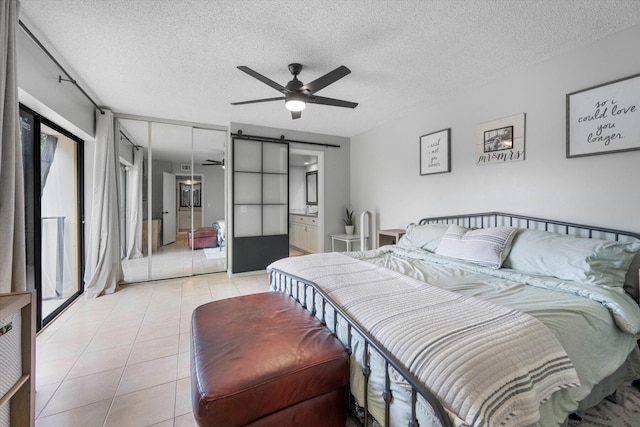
[390, 237]
[347, 238]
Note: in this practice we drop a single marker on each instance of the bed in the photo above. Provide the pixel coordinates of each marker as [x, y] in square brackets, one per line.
[483, 319]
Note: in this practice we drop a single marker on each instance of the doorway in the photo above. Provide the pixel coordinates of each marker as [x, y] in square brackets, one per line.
[306, 182]
[54, 213]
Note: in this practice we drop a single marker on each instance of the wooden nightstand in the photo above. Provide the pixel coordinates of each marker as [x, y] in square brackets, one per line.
[390, 237]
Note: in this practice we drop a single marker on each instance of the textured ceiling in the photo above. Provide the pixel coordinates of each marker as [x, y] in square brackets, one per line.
[177, 59]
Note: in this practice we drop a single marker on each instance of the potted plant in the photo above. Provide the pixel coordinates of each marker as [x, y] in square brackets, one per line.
[349, 226]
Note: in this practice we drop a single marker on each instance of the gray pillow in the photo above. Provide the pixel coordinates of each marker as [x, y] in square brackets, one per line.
[578, 259]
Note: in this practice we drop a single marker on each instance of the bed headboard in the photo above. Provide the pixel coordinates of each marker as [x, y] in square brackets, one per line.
[497, 219]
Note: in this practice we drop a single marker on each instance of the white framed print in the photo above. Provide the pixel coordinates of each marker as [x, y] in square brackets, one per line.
[434, 152]
[500, 141]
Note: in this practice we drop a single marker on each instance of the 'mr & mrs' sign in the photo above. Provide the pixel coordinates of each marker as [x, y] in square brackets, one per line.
[604, 119]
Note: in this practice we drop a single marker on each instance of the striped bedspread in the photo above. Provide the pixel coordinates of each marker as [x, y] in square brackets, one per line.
[488, 365]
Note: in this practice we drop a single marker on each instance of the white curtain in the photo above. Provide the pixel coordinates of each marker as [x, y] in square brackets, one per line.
[134, 206]
[12, 249]
[104, 270]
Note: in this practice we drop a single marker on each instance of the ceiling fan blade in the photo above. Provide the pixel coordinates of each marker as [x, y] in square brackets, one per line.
[279, 98]
[326, 80]
[331, 101]
[296, 114]
[263, 79]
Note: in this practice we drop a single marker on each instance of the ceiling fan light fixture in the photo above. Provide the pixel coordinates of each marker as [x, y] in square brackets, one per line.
[297, 94]
[295, 104]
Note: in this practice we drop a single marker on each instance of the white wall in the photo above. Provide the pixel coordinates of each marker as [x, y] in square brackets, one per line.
[125, 152]
[297, 177]
[157, 171]
[598, 190]
[38, 78]
[213, 193]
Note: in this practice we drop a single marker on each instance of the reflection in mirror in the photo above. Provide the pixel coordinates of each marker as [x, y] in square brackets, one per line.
[190, 194]
[209, 238]
[134, 154]
[171, 153]
[181, 201]
[312, 188]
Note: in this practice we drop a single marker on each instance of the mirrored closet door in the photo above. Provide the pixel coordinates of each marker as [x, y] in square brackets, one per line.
[172, 197]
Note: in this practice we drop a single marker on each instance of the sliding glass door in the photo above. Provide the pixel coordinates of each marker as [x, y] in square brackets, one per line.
[52, 159]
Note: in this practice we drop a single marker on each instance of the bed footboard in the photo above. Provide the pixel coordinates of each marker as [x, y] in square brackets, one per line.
[347, 329]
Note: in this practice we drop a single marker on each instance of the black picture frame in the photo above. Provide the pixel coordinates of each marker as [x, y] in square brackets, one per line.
[604, 119]
[189, 193]
[435, 152]
[311, 188]
[498, 139]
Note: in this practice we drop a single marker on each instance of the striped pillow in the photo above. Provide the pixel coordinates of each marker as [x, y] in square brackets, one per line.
[487, 247]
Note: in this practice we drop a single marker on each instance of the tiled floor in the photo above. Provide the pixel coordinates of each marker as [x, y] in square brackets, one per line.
[123, 359]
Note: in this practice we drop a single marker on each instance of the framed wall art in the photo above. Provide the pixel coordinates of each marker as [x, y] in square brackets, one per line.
[435, 152]
[604, 118]
[501, 140]
[190, 195]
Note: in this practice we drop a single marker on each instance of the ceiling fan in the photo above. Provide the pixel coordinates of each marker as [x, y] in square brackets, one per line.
[210, 162]
[297, 94]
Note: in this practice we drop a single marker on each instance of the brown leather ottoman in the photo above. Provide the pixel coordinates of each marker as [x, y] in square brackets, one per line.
[263, 360]
[204, 237]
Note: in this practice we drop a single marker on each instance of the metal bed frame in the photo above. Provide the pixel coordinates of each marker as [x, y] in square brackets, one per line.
[497, 219]
[299, 288]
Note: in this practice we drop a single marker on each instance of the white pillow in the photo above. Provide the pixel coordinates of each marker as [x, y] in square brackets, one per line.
[487, 247]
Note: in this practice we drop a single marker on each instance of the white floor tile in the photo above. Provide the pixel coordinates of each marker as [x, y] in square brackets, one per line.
[92, 415]
[124, 359]
[43, 394]
[183, 396]
[153, 349]
[148, 374]
[99, 361]
[53, 371]
[143, 408]
[184, 365]
[185, 420]
[82, 391]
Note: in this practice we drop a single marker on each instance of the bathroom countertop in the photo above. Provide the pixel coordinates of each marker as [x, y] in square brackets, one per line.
[301, 213]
